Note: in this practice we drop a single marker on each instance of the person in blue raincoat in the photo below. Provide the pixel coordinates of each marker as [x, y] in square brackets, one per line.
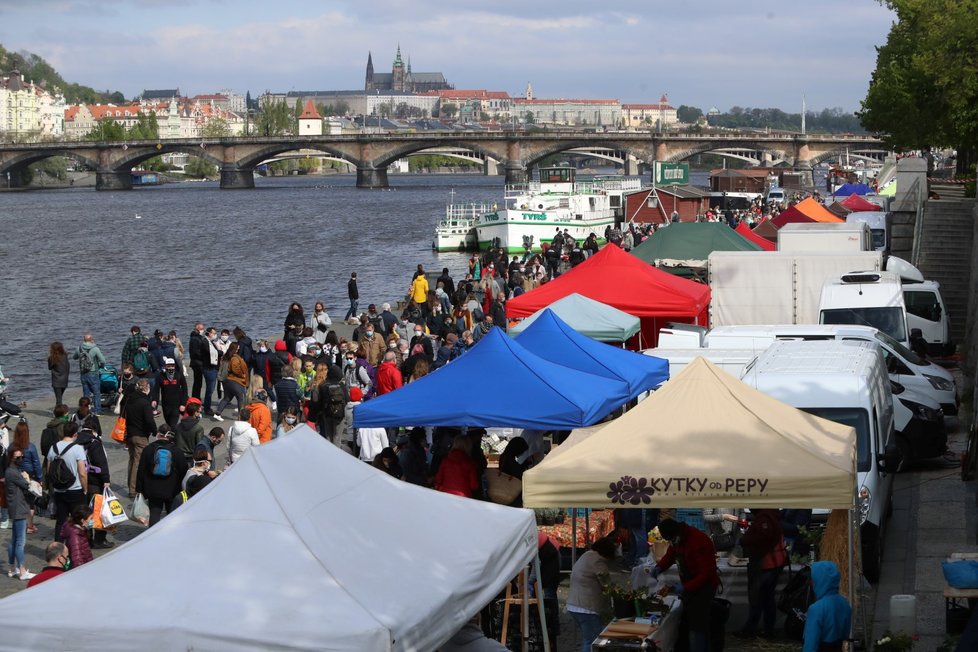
[829, 617]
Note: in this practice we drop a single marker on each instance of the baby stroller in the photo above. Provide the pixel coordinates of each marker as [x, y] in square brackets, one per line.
[109, 384]
[7, 408]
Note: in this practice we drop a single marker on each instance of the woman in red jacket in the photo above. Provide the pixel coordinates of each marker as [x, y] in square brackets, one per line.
[75, 535]
[457, 473]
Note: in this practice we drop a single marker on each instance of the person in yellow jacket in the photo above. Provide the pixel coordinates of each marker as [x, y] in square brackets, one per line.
[419, 288]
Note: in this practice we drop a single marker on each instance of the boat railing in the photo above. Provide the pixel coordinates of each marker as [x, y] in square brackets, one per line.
[465, 213]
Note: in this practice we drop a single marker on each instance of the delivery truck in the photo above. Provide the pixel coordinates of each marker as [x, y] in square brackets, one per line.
[815, 237]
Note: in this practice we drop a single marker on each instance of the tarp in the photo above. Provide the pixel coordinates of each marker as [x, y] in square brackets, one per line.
[807, 210]
[588, 317]
[691, 241]
[552, 339]
[761, 242]
[498, 383]
[767, 230]
[704, 439]
[837, 208]
[847, 189]
[298, 546]
[622, 281]
[857, 204]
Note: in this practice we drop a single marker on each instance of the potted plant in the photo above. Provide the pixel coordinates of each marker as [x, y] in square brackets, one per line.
[894, 643]
[627, 602]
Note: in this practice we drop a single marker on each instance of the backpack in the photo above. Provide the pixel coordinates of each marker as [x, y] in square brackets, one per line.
[140, 361]
[85, 362]
[335, 404]
[162, 462]
[60, 473]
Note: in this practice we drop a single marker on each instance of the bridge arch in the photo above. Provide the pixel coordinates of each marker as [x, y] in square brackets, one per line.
[271, 151]
[134, 156]
[418, 148]
[717, 147]
[836, 153]
[585, 146]
[28, 158]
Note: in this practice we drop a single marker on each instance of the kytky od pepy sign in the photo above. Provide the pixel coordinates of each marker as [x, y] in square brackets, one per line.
[635, 491]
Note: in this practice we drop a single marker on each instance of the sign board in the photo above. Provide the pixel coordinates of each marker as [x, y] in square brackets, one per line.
[671, 174]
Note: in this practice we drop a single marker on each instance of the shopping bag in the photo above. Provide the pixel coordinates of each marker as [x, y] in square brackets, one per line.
[112, 511]
[96, 507]
[140, 510]
[119, 432]
[504, 489]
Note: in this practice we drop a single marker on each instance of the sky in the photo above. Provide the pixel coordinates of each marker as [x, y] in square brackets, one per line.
[712, 53]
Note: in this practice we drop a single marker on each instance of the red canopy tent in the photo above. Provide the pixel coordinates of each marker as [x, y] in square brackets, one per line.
[807, 210]
[857, 204]
[761, 242]
[627, 283]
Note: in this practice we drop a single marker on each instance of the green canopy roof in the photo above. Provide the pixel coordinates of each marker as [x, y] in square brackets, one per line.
[588, 317]
[682, 246]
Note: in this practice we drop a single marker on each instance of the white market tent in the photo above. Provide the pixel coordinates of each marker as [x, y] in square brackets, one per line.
[703, 439]
[597, 320]
[299, 546]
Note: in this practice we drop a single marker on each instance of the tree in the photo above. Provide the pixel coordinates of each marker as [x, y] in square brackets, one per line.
[274, 120]
[448, 110]
[216, 128]
[199, 168]
[924, 91]
[146, 127]
[106, 131]
[688, 114]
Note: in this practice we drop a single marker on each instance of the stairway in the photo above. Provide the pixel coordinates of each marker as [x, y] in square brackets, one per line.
[945, 254]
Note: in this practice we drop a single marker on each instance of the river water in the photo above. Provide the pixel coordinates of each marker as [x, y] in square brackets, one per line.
[77, 260]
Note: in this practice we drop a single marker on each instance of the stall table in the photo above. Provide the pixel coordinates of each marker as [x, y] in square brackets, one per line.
[601, 522]
[626, 634]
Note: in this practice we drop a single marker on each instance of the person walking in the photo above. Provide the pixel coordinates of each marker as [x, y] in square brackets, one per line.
[68, 475]
[60, 370]
[354, 295]
[90, 361]
[98, 471]
[198, 355]
[16, 486]
[170, 392]
[161, 471]
[236, 380]
[764, 544]
[140, 426]
[320, 322]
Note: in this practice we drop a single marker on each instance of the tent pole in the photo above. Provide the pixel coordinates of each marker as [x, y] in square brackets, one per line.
[573, 536]
[538, 589]
[525, 613]
[852, 569]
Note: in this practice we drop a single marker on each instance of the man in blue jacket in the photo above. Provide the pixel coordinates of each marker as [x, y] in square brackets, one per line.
[829, 618]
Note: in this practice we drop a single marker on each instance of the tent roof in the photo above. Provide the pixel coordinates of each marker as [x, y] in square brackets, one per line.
[847, 189]
[588, 317]
[298, 546]
[691, 241]
[704, 439]
[807, 210]
[621, 280]
[534, 393]
[767, 230]
[761, 242]
[552, 339]
[857, 204]
[836, 208]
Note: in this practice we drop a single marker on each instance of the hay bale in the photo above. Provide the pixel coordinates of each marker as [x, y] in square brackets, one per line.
[835, 547]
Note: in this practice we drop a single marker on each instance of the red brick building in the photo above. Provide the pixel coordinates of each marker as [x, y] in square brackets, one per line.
[646, 206]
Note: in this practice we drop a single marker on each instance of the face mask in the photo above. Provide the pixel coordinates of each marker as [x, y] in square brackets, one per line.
[67, 563]
[290, 420]
[314, 352]
[370, 333]
[263, 349]
[170, 372]
[417, 333]
[203, 465]
[127, 375]
[224, 338]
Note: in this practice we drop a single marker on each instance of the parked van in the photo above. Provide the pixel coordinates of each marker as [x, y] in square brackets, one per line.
[879, 227]
[777, 195]
[733, 361]
[866, 298]
[845, 382]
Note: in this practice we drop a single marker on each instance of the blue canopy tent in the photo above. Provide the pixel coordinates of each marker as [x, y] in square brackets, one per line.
[852, 189]
[524, 391]
[551, 338]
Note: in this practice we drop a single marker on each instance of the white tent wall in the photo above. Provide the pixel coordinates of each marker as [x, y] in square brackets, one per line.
[298, 546]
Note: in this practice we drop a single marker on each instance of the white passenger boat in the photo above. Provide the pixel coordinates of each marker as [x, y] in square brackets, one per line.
[456, 231]
[532, 213]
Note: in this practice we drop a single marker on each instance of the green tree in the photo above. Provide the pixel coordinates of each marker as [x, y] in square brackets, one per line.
[688, 114]
[106, 131]
[924, 91]
[199, 168]
[146, 127]
[156, 164]
[43, 74]
[216, 128]
[55, 167]
[448, 110]
[275, 119]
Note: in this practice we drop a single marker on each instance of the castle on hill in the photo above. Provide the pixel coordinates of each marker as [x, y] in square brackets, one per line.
[402, 79]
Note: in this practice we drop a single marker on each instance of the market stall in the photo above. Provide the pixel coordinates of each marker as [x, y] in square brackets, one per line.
[588, 317]
[298, 546]
[533, 393]
[807, 210]
[552, 339]
[757, 239]
[682, 248]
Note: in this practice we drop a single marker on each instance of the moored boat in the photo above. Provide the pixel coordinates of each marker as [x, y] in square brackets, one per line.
[456, 231]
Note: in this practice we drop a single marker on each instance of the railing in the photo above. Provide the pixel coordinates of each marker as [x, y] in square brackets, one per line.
[461, 215]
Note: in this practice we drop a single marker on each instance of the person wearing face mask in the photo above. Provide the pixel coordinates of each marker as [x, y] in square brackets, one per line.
[290, 419]
[140, 425]
[423, 340]
[295, 321]
[188, 431]
[320, 322]
[693, 551]
[198, 355]
[357, 372]
[307, 340]
[58, 561]
[373, 345]
[170, 391]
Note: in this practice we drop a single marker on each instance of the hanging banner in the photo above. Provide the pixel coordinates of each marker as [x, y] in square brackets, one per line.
[671, 174]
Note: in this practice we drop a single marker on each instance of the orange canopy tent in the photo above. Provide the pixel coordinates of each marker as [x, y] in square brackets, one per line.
[760, 241]
[627, 283]
[807, 210]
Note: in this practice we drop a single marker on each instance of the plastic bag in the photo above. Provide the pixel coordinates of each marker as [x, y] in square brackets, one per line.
[140, 510]
[961, 573]
[111, 510]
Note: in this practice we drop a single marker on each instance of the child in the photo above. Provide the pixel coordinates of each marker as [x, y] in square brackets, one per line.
[75, 535]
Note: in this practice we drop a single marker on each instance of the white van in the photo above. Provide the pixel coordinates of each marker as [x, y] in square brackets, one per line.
[878, 222]
[846, 382]
[733, 361]
[904, 366]
[868, 299]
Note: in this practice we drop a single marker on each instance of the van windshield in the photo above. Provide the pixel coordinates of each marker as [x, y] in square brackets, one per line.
[859, 420]
[888, 320]
[901, 350]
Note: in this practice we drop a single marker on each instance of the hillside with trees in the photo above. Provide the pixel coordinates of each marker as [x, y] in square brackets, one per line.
[826, 121]
[39, 71]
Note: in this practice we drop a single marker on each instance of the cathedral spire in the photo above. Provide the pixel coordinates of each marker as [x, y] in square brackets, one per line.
[398, 61]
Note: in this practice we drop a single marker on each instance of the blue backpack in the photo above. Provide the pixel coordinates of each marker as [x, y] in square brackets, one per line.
[162, 462]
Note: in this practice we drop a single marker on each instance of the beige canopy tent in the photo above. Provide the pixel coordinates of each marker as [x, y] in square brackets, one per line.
[704, 439]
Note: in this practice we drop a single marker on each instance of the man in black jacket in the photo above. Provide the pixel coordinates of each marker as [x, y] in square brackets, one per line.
[170, 392]
[140, 426]
[98, 471]
[354, 294]
[160, 474]
[198, 353]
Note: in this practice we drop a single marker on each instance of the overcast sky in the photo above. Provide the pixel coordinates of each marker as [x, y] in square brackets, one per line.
[759, 53]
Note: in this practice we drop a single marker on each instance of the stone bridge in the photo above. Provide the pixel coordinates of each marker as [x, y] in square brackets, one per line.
[516, 152]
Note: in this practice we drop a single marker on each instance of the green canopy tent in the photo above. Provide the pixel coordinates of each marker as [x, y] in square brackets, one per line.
[597, 320]
[683, 248]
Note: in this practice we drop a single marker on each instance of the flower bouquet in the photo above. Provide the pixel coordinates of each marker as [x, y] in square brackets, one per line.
[894, 643]
[628, 602]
